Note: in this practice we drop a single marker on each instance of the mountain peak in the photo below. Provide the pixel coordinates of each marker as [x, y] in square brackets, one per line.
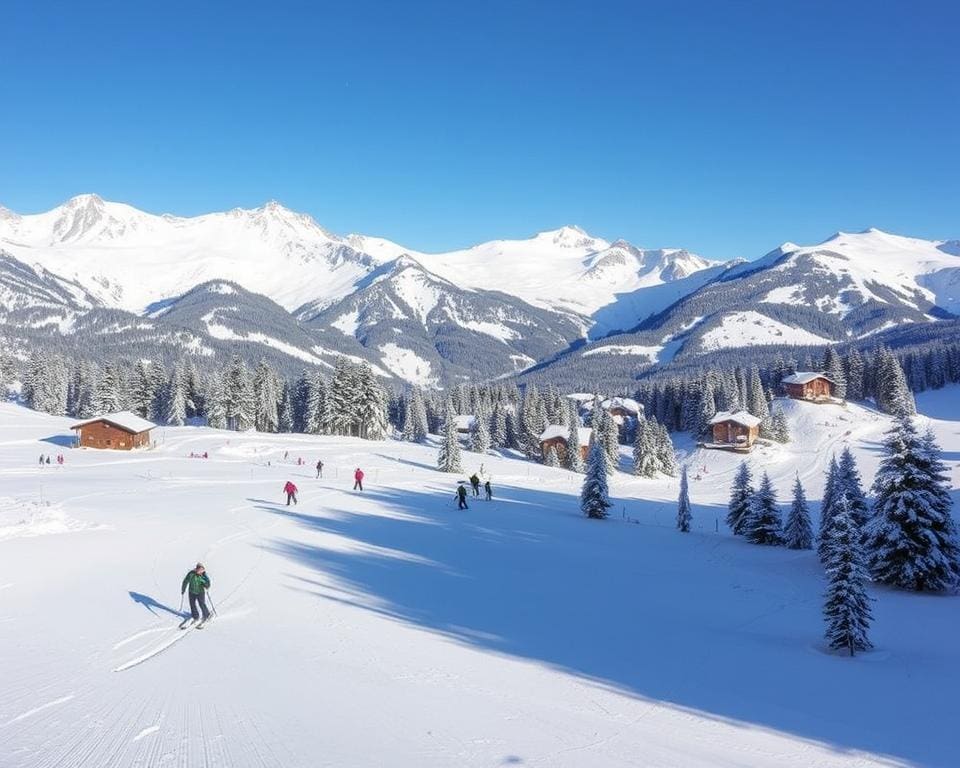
[85, 200]
[569, 236]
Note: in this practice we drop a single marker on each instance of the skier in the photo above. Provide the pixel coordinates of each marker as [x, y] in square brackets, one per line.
[198, 582]
[358, 479]
[488, 490]
[291, 490]
[41, 459]
[320, 469]
[475, 484]
[461, 496]
[48, 459]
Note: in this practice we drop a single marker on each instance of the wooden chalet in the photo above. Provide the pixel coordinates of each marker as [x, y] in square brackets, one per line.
[808, 385]
[738, 430]
[555, 436]
[121, 431]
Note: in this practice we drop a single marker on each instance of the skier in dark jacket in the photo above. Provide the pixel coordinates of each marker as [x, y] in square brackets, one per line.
[198, 583]
[291, 490]
[320, 469]
[475, 483]
[488, 490]
[461, 496]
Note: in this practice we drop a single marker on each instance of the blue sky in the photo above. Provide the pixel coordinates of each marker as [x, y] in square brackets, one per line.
[723, 127]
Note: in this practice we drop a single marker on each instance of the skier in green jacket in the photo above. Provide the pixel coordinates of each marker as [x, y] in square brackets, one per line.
[198, 582]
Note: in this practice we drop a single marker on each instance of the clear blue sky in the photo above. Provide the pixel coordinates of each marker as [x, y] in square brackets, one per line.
[724, 127]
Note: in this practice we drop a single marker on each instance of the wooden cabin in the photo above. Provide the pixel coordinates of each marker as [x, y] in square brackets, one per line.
[465, 423]
[808, 385]
[555, 436]
[736, 430]
[121, 431]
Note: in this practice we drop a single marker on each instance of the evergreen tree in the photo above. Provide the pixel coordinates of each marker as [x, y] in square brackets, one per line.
[833, 367]
[684, 515]
[573, 460]
[141, 391]
[851, 487]
[215, 404]
[856, 389]
[371, 405]
[912, 540]
[798, 532]
[108, 396]
[763, 524]
[285, 410]
[480, 439]
[176, 401]
[738, 508]
[415, 421]
[779, 428]
[550, 458]
[664, 449]
[265, 397]
[846, 607]
[826, 510]
[892, 395]
[498, 426]
[594, 495]
[646, 460]
[238, 396]
[756, 397]
[611, 441]
[448, 458]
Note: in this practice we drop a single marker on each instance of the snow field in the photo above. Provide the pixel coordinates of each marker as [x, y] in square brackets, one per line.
[389, 629]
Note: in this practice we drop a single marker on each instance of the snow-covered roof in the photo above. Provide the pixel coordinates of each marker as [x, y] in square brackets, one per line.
[126, 420]
[805, 377]
[558, 430]
[466, 422]
[626, 403]
[740, 417]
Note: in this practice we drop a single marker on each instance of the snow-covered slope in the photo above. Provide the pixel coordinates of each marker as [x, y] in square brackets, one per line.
[388, 628]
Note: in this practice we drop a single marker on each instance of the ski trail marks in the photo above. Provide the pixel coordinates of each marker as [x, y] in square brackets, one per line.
[36, 710]
[145, 732]
[155, 651]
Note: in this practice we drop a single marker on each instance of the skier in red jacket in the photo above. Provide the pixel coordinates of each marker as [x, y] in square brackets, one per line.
[358, 479]
[291, 490]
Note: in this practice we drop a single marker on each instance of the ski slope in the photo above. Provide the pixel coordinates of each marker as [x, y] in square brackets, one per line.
[388, 629]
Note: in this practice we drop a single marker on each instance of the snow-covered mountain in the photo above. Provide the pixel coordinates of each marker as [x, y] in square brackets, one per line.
[849, 287]
[426, 329]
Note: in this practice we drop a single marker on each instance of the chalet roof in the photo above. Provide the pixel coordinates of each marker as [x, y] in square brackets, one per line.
[626, 403]
[558, 430]
[740, 417]
[125, 420]
[805, 377]
[465, 422]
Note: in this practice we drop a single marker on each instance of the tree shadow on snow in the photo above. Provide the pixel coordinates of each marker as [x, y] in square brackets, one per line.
[700, 620]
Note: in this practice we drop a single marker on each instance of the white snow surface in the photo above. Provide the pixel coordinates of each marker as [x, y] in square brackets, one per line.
[407, 365]
[744, 329]
[389, 629]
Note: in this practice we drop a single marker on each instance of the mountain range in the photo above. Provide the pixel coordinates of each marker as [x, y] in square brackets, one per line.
[93, 275]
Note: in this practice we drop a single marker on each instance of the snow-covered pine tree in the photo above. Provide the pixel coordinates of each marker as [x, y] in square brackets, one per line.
[448, 457]
[340, 398]
[108, 396]
[646, 461]
[911, 541]
[141, 389]
[480, 439]
[684, 514]
[214, 403]
[893, 396]
[851, 487]
[415, 421]
[238, 396]
[175, 412]
[664, 448]
[756, 397]
[827, 508]
[158, 386]
[833, 367]
[532, 421]
[550, 458]
[371, 407]
[846, 606]
[611, 440]
[763, 524]
[285, 410]
[498, 426]
[856, 389]
[798, 532]
[779, 428]
[595, 494]
[738, 508]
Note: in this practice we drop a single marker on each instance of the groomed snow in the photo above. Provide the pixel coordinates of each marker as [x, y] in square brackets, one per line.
[389, 629]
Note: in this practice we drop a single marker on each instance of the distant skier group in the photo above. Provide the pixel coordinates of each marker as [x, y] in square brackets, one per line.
[46, 459]
[474, 479]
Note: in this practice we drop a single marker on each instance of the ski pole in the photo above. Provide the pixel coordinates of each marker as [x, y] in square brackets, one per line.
[181, 602]
[212, 606]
